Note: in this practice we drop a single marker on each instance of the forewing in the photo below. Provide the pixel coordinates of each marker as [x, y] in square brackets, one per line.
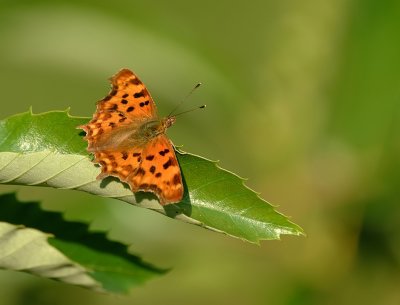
[128, 102]
[128, 96]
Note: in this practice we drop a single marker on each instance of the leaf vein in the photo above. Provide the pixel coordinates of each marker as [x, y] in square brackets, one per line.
[59, 172]
[207, 184]
[11, 161]
[29, 169]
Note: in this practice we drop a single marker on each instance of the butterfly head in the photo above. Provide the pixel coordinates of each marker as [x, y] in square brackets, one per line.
[168, 121]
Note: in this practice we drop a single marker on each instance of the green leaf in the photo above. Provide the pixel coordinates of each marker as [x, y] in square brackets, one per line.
[44, 244]
[47, 149]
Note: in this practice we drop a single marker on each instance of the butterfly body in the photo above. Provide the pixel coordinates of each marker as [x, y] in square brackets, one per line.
[135, 134]
[129, 140]
[153, 128]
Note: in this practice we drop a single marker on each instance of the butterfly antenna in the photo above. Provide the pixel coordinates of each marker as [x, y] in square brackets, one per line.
[190, 110]
[184, 99]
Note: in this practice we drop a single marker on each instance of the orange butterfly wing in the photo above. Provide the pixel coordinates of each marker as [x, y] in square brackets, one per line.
[158, 171]
[146, 165]
[127, 102]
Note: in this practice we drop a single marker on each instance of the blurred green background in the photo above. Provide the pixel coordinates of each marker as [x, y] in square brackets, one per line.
[303, 98]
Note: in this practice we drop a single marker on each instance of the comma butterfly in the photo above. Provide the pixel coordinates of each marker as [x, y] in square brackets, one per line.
[128, 140]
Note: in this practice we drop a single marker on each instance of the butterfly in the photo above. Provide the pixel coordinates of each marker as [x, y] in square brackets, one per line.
[129, 141]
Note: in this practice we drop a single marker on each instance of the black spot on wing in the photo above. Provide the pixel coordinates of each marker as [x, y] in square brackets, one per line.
[176, 179]
[168, 163]
[135, 81]
[114, 107]
[164, 152]
[150, 157]
[140, 171]
[139, 94]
